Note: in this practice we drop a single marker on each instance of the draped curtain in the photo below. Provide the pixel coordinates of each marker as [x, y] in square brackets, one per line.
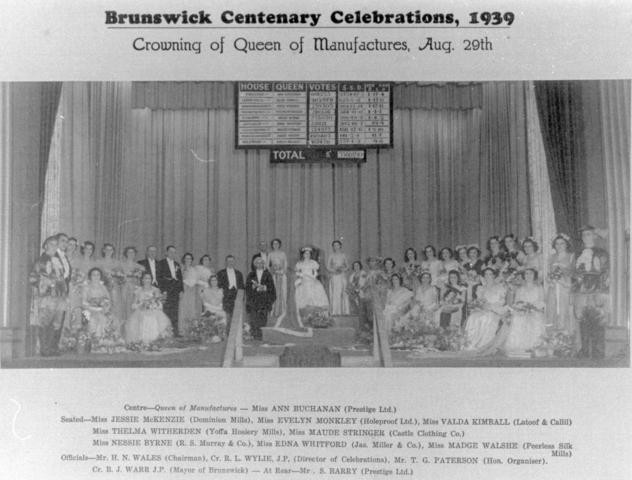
[615, 125]
[173, 176]
[560, 110]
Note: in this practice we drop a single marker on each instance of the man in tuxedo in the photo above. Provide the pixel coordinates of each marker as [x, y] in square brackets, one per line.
[262, 253]
[170, 282]
[260, 296]
[149, 263]
[230, 280]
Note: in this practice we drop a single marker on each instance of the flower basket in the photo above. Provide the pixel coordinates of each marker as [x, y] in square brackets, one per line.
[316, 317]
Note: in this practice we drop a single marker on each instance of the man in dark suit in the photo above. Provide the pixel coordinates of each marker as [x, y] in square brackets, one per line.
[260, 296]
[169, 279]
[263, 253]
[230, 280]
[149, 263]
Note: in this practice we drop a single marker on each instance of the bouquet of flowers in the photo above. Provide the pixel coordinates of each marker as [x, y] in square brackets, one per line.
[140, 346]
[77, 276]
[118, 275]
[258, 287]
[208, 328]
[137, 273]
[524, 307]
[316, 317]
[99, 303]
[471, 276]
[154, 302]
[556, 275]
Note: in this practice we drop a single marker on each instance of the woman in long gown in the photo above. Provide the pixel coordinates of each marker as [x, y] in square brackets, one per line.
[425, 306]
[559, 312]
[338, 266]
[490, 307]
[526, 323]
[148, 323]
[398, 300]
[431, 263]
[212, 301]
[104, 327]
[356, 288]
[453, 300]
[189, 308]
[277, 264]
[113, 277]
[132, 271]
[377, 282]
[204, 272]
[411, 269]
[309, 293]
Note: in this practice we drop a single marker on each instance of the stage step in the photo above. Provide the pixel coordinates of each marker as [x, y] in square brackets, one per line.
[332, 336]
[346, 321]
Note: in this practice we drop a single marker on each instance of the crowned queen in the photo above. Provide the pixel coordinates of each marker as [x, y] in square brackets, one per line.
[309, 293]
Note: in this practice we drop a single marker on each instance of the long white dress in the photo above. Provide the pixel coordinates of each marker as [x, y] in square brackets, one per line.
[277, 264]
[482, 324]
[309, 292]
[395, 307]
[148, 322]
[337, 264]
[526, 325]
[425, 310]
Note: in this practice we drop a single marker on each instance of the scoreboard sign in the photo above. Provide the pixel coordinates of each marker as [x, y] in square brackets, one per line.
[336, 115]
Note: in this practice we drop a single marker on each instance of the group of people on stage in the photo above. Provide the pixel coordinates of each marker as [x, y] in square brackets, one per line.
[496, 297]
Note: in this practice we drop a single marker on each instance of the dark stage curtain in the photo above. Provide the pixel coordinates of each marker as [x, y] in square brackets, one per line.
[560, 111]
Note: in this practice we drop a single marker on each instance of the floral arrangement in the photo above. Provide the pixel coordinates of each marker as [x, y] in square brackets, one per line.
[141, 346]
[96, 303]
[559, 344]
[316, 317]
[428, 337]
[77, 276]
[154, 302]
[110, 343]
[258, 287]
[208, 328]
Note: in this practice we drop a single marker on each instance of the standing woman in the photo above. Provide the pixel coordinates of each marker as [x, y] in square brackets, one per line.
[204, 272]
[356, 286]
[461, 254]
[558, 295]
[133, 271]
[473, 269]
[189, 308]
[513, 255]
[431, 263]
[448, 263]
[532, 258]
[277, 264]
[338, 266]
[526, 324]
[85, 262]
[113, 277]
[411, 269]
[308, 292]
[495, 254]
[453, 299]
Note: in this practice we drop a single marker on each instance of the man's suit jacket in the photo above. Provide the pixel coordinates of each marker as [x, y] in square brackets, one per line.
[166, 282]
[145, 264]
[222, 280]
[260, 300]
[67, 274]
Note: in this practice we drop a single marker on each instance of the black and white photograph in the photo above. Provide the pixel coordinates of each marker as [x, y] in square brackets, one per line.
[316, 224]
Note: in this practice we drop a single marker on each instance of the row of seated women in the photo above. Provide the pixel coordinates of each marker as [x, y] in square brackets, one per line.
[496, 318]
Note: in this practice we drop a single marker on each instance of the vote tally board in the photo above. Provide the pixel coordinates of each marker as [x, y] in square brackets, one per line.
[310, 116]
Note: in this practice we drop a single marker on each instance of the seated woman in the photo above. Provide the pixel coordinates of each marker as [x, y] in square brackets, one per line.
[398, 300]
[309, 293]
[212, 301]
[425, 307]
[487, 311]
[103, 327]
[526, 323]
[453, 299]
[148, 323]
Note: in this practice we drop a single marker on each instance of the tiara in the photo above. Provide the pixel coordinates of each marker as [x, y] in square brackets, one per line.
[306, 249]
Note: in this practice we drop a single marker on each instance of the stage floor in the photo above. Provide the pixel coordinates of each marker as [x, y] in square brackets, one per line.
[195, 356]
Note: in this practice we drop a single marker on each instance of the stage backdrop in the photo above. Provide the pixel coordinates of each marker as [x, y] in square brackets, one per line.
[169, 174]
